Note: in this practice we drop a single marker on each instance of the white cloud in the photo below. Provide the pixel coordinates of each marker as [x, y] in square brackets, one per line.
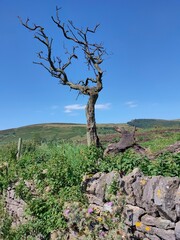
[74, 107]
[131, 104]
[103, 106]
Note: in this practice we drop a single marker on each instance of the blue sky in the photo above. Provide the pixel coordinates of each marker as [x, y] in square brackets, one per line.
[142, 70]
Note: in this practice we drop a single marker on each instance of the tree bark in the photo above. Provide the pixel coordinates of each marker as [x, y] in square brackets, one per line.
[127, 140]
[93, 54]
[92, 137]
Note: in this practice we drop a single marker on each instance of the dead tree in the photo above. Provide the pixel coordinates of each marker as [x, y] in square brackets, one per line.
[93, 54]
[127, 140]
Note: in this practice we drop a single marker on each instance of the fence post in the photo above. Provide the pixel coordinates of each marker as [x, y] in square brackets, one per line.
[19, 148]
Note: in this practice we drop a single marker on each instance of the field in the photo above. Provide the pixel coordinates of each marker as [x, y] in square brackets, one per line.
[55, 159]
[50, 132]
[77, 132]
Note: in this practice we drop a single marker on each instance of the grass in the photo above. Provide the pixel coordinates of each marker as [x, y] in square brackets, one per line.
[51, 132]
[44, 132]
[56, 169]
[151, 123]
[157, 140]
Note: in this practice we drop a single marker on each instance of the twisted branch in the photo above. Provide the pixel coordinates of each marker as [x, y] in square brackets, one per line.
[93, 54]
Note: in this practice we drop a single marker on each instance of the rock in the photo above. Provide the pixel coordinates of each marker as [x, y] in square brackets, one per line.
[139, 235]
[92, 199]
[164, 234]
[138, 187]
[148, 195]
[151, 205]
[15, 207]
[164, 197]
[177, 202]
[92, 183]
[133, 214]
[128, 181]
[54, 235]
[157, 222]
[130, 178]
[177, 230]
[103, 181]
[97, 186]
[152, 237]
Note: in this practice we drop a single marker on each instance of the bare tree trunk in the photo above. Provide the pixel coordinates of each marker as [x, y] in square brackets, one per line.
[93, 54]
[92, 137]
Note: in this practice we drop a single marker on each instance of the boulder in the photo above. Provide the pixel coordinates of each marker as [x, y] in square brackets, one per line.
[133, 214]
[148, 195]
[164, 197]
[177, 230]
[157, 222]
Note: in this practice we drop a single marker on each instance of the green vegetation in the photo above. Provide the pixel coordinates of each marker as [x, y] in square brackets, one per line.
[52, 132]
[155, 140]
[151, 123]
[55, 171]
[43, 132]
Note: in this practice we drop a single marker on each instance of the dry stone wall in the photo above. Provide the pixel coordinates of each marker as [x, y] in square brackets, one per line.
[152, 204]
[15, 207]
[149, 206]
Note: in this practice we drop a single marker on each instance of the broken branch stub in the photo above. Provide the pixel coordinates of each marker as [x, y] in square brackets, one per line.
[127, 140]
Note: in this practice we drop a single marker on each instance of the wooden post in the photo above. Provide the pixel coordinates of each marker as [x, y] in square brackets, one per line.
[19, 148]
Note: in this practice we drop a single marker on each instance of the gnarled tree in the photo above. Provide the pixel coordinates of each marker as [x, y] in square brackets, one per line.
[93, 53]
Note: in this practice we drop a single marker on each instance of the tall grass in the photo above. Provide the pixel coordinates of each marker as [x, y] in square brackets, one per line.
[56, 172]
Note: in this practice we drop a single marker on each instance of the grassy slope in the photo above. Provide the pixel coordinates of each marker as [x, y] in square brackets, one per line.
[42, 131]
[61, 131]
[151, 123]
[56, 172]
[57, 131]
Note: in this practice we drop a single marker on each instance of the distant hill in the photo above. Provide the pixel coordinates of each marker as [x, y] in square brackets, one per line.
[51, 131]
[151, 123]
[43, 132]
[70, 131]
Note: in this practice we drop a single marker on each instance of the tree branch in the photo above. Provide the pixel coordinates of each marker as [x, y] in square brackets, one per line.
[93, 54]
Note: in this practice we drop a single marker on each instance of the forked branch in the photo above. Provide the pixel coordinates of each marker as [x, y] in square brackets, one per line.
[93, 54]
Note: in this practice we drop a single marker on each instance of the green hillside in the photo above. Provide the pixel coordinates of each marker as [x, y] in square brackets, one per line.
[48, 177]
[69, 131]
[50, 132]
[43, 132]
[152, 123]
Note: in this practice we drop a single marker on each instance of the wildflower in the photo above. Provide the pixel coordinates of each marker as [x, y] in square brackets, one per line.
[143, 182]
[159, 193]
[109, 203]
[90, 210]
[102, 234]
[97, 210]
[108, 206]
[147, 228]
[99, 219]
[138, 224]
[66, 212]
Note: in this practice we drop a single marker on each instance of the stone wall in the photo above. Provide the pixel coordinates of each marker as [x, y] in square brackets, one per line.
[15, 207]
[151, 208]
